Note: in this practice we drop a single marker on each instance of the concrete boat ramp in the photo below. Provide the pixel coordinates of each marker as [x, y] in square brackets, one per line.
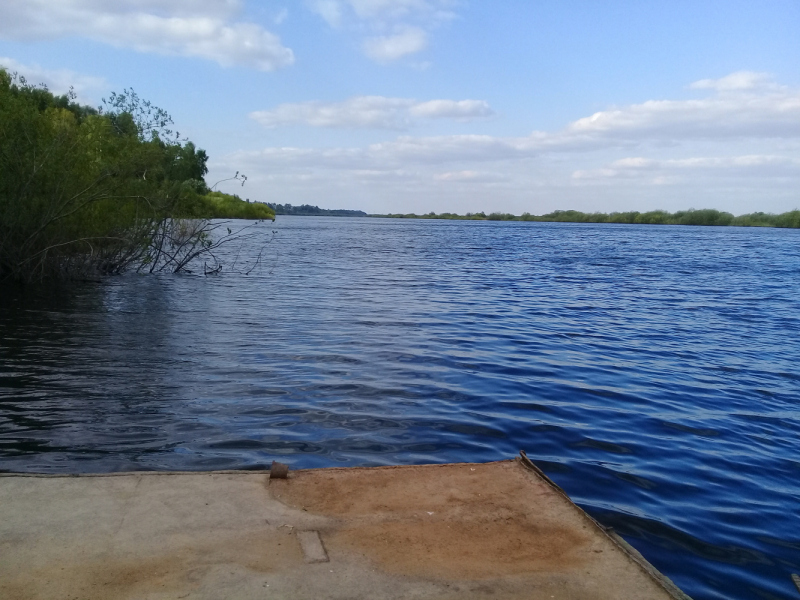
[498, 530]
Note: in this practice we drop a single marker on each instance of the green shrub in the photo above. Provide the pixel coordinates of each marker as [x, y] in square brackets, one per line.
[87, 191]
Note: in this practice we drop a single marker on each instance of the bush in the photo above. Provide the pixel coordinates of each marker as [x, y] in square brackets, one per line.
[87, 191]
[217, 205]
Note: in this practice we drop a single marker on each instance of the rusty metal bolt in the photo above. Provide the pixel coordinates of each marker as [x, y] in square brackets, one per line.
[278, 470]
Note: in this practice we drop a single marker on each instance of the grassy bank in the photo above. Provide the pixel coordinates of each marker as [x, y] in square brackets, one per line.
[216, 205]
[707, 217]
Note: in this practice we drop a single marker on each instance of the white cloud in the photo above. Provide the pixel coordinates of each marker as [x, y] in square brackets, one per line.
[371, 112]
[457, 175]
[741, 80]
[366, 9]
[766, 112]
[193, 28]
[453, 109]
[333, 11]
[59, 81]
[399, 27]
[767, 115]
[743, 166]
[469, 176]
[735, 149]
[374, 112]
[747, 161]
[392, 47]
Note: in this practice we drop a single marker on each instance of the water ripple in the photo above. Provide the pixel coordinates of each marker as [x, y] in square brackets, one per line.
[652, 371]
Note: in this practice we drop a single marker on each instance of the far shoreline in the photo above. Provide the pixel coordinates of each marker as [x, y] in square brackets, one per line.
[707, 217]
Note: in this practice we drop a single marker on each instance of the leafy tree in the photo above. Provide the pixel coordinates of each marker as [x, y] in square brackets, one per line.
[87, 191]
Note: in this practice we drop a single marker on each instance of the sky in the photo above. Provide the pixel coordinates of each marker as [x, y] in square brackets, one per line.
[450, 105]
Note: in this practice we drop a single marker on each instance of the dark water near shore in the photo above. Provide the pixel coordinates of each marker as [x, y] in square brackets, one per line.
[651, 371]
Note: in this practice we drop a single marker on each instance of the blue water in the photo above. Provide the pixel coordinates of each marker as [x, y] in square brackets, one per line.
[651, 371]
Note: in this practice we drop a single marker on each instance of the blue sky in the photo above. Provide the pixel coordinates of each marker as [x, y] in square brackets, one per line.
[451, 105]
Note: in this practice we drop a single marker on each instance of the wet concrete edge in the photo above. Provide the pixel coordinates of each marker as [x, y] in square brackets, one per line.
[632, 553]
[629, 551]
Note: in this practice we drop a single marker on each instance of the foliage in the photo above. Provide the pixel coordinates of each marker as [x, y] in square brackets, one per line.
[225, 206]
[705, 217]
[306, 210]
[86, 192]
[450, 216]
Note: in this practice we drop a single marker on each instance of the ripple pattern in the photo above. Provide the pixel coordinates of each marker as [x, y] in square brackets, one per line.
[652, 371]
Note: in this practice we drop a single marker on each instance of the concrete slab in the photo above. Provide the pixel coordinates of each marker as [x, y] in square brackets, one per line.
[495, 530]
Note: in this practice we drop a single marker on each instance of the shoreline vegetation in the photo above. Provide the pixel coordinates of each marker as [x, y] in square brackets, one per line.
[306, 210]
[701, 217]
[94, 191]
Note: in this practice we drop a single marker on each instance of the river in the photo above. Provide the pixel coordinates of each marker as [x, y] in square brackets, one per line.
[651, 371]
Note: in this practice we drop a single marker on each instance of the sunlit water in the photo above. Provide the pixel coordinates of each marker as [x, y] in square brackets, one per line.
[651, 371]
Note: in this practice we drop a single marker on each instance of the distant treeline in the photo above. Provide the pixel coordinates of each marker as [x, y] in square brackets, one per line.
[706, 216]
[306, 210]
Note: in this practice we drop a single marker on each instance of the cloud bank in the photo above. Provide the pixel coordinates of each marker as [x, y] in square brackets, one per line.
[738, 146]
[371, 112]
[193, 28]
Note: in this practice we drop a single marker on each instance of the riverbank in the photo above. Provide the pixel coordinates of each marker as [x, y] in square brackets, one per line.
[707, 217]
[498, 530]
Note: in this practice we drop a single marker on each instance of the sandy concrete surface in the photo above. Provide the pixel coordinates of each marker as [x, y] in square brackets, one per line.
[495, 530]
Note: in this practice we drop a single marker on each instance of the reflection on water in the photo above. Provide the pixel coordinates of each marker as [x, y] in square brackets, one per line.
[652, 371]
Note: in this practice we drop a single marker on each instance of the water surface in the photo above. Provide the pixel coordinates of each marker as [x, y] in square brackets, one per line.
[651, 371]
